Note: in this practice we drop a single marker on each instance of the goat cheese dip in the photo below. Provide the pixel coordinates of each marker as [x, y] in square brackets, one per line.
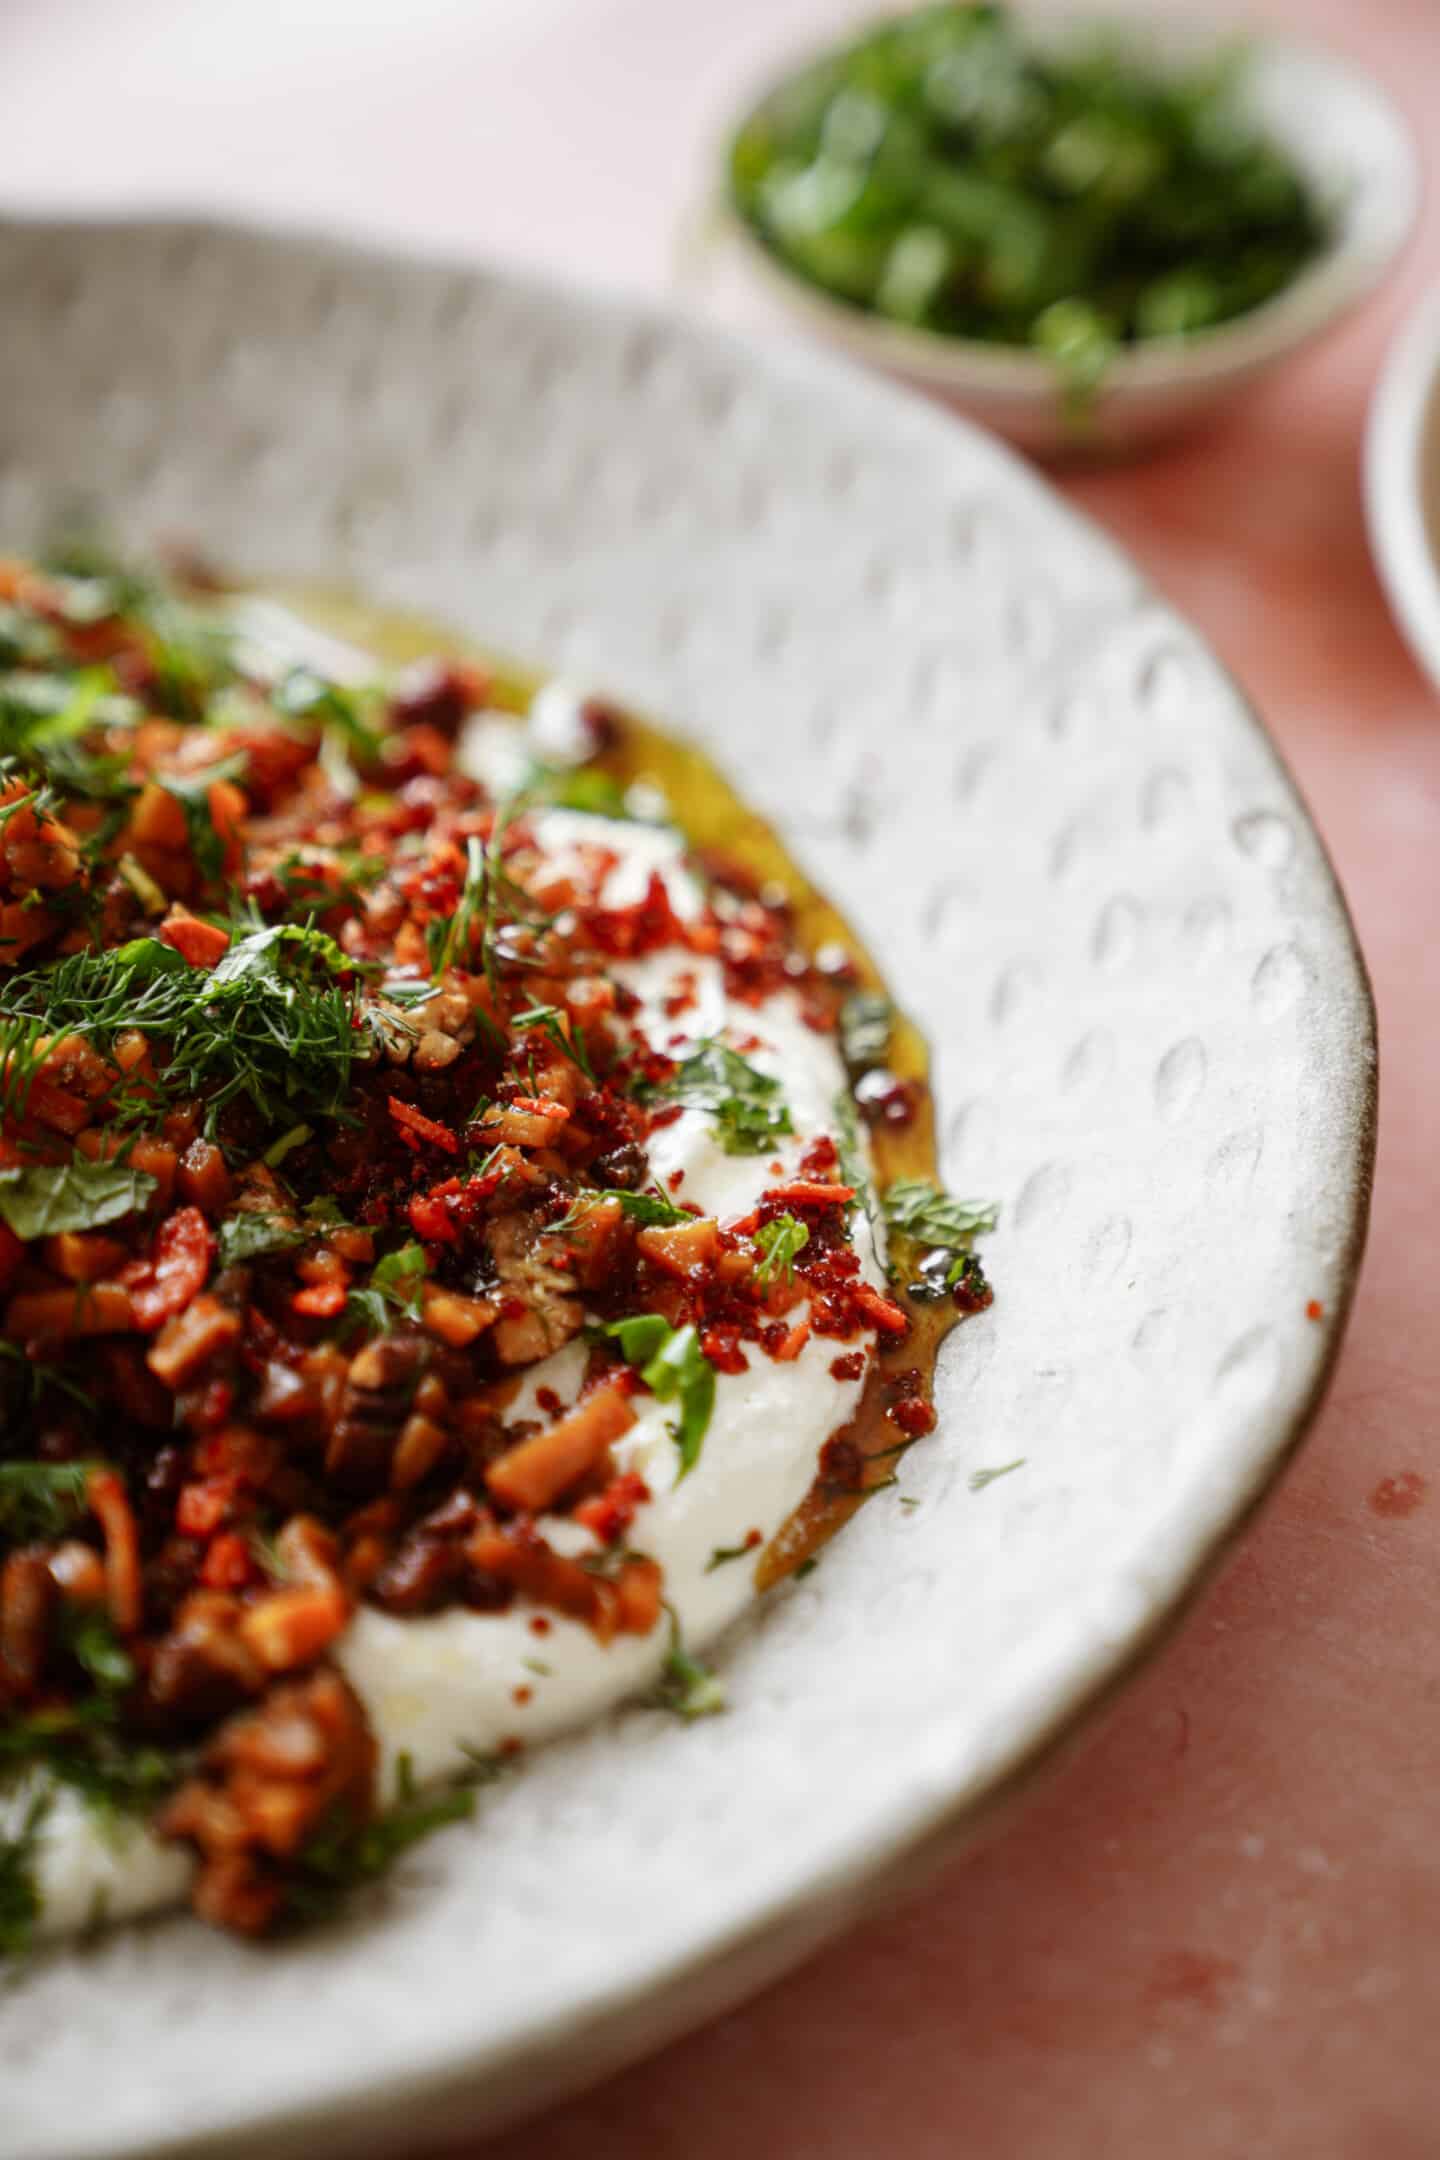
[439, 1240]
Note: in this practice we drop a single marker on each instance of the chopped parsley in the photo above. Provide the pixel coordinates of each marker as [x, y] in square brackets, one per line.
[781, 1242]
[688, 1688]
[344, 1854]
[749, 1112]
[979, 1479]
[674, 1368]
[395, 1286]
[253, 1235]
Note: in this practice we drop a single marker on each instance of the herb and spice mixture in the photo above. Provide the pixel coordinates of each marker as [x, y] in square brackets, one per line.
[441, 1267]
[947, 173]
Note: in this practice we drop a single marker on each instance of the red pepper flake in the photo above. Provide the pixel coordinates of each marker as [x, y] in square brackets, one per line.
[809, 1192]
[611, 1513]
[849, 1367]
[202, 1507]
[523, 1695]
[721, 1345]
[539, 1625]
[229, 1563]
[794, 1342]
[541, 1106]
[413, 1121]
[883, 1311]
[1314, 1310]
[320, 1301]
[913, 1416]
[430, 1220]
[549, 1401]
[675, 1180]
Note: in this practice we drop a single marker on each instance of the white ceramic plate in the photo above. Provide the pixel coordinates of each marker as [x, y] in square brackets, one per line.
[1076, 853]
[1402, 480]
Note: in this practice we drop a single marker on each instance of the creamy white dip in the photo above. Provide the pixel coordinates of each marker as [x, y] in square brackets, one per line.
[444, 1688]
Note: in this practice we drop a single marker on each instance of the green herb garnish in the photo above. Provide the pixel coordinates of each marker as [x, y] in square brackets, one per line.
[647, 1210]
[918, 1209]
[781, 1242]
[395, 1286]
[979, 1479]
[50, 1197]
[551, 1022]
[41, 1500]
[252, 1235]
[344, 1854]
[724, 1554]
[192, 792]
[686, 1686]
[945, 172]
[674, 1368]
[746, 1105]
[269, 1022]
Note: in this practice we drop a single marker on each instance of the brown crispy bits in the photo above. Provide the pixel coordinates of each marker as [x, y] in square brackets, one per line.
[268, 1780]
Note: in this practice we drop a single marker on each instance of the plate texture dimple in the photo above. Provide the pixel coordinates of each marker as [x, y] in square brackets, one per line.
[1034, 792]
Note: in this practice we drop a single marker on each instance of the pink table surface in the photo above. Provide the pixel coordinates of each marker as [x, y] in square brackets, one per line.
[1217, 1930]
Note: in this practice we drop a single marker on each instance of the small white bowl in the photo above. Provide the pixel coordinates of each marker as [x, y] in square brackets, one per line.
[1402, 480]
[1344, 134]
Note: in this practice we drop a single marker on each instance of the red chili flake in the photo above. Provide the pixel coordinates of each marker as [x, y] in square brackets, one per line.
[885, 1314]
[539, 1625]
[795, 1339]
[430, 1221]
[721, 1345]
[913, 1416]
[410, 1120]
[675, 1180]
[320, 1301]
[1314, 1310]
[541, 1106]
[611, 1513]
[523, 1695]
[666, 1115]
[202, 1508]
[809, 1192]
[848, 1367]
[229, 1563]
[549, 1401]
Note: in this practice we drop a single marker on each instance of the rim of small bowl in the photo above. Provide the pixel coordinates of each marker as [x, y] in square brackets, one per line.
[1372, 228]
[1403, 429]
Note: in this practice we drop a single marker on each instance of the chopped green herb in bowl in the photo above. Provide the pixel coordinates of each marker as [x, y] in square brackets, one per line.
[966, 197]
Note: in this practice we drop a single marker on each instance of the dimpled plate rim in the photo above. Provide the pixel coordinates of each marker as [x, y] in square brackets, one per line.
[1154, 1045]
